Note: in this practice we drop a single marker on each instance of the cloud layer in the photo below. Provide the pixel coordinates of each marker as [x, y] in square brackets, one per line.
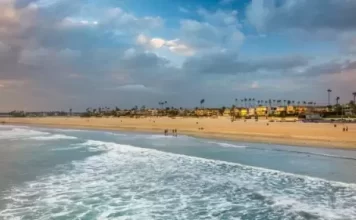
[60, 54]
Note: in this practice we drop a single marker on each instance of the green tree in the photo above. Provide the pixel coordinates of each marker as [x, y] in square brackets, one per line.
[201, 103]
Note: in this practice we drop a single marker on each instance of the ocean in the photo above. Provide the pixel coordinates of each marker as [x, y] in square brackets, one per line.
[78, 174]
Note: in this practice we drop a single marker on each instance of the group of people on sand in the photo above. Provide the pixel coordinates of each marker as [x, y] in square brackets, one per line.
[174, 132]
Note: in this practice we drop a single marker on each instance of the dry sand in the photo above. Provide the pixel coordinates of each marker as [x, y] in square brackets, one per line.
[290, 133]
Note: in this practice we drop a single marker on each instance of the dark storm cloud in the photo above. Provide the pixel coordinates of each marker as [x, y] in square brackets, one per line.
[225, 63]
[331, 67]
[303, 14]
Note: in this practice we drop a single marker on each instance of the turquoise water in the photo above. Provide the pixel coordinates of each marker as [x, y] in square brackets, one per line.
[77, 174]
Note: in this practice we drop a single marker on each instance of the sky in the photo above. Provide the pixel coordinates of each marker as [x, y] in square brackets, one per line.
[61, 54]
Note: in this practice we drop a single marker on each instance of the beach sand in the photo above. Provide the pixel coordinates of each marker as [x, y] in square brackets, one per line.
[289, 133]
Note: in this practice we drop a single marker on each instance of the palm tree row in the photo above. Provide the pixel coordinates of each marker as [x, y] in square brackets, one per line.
[252, 102]
[162, 104]
[338, 98]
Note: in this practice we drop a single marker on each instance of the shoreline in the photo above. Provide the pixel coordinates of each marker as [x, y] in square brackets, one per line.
[131, 125]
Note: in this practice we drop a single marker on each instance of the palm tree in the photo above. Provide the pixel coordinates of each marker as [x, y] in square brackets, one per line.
[337, 100]
[245, 100]
[298, 103]
[249, 102]
[354, 94]
[329, 92]
[284, 102]
[288, 102]
[201, 103]
[242, 101]
[236, 101]
[253, 102]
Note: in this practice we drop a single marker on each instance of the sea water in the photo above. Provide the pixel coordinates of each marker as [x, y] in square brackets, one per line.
[78, 174]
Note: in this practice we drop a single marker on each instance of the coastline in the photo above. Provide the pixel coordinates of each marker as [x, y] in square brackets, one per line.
[293, 134]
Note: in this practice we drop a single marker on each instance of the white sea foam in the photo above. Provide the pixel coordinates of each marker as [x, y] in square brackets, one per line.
[221, 144]
[126, 182]
[17, 133]
[53, 137]
[68, 148]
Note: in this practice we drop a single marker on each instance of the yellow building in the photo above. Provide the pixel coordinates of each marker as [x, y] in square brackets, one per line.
[262, 111]
[280, 110]
[301, 110]
[291, 110]
[243, 112]
[206, 112]
[320, 109]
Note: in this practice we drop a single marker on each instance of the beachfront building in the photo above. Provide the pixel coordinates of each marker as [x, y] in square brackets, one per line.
[152, 112]
[320, 109]
[262, 111]
[347, 110]
[227, 112]
[243, 112]
[207, 112]
[280, 110]
[301, 110]
[251, 111]
[291, 110]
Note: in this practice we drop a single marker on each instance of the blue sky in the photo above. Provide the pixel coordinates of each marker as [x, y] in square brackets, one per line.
[60, 54]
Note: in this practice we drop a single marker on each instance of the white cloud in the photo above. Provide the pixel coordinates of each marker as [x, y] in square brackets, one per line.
[255, 85]
[175, 46]
[77, 22]
[142, 39]
[119, 18]
[180, 48]
[216, 31]
[5, 84]
[135, 88]
[157, 42]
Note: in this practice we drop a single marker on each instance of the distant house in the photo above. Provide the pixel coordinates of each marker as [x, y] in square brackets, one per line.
[281, 110]
[152, 112]
[227, 112]
[251, 111]
[207, 112]
[291, 110]
[301, 110]
[347, 109]
[243, 112]
[262, 110]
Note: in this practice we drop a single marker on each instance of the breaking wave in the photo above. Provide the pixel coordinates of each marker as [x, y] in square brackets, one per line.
[127, 182]
[53, 137]
[18, 133]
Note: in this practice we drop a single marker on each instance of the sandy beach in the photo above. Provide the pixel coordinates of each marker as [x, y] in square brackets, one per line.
[290, 133]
